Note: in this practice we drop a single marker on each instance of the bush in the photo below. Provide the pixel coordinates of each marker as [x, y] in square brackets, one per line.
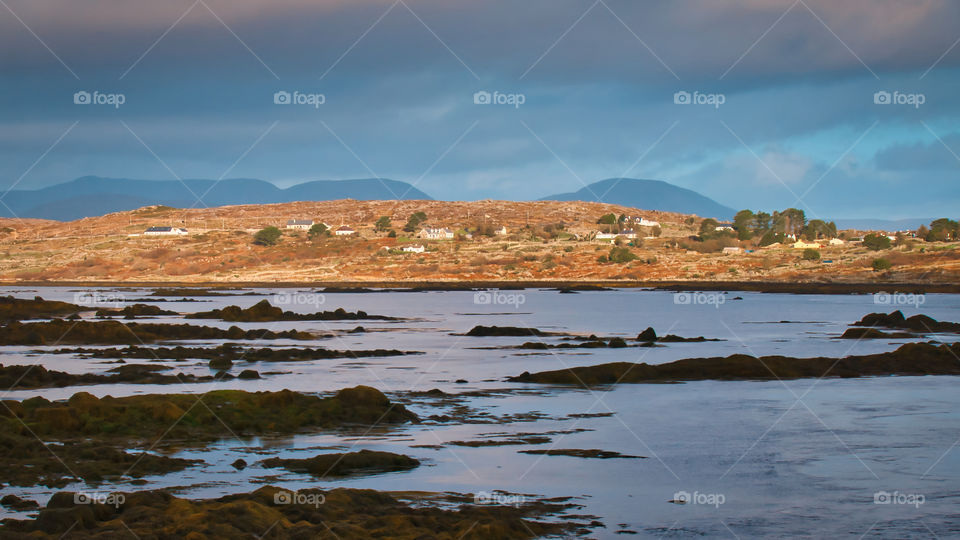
[876, 242]
[621, 255]
[881, 264]
[317, 230]
[267, 236]
[811, 254]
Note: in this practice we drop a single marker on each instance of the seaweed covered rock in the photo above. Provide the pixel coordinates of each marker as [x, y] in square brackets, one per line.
[511, 331]
[263, 311]
[116, 332]
[226, 412]
[135, 310]
[16, 309]
[346, 464]
[909, 359]
[232, 352]
[338, 513]
[916, 323]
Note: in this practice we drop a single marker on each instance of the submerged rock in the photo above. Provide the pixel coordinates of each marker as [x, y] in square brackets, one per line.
[511, 331]
[909, 359]
[916, 323]
[263, 311]
[348, 464]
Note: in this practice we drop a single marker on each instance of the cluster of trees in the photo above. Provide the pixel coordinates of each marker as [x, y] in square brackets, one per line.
[775, 227]
[414, 222]
[940, 230]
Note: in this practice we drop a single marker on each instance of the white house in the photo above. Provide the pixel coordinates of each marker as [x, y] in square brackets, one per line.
[344, 230]
[414, 249]
[605, 236]
[724, 227]
[647, 223]
[731, 250]
[165, 231]
[836, 242]
[628, 233]
[800, 244]
[430, 233]
[300, 224]
[502, 231]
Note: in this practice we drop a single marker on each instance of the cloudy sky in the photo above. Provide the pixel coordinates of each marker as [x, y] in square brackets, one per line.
[778, 98]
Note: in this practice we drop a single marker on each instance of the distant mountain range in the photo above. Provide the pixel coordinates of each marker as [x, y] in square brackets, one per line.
[95, 196]
[889, 225]
[648, 195]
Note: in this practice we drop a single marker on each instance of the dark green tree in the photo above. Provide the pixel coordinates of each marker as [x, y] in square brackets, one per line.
[267, 236]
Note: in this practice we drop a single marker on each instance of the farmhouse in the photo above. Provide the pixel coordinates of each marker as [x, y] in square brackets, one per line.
[836, 242]
[430, 233]
[414, 249]
[502, 231]
[165, 231]
[344, 230]
[731, 250]
[300, 224]
[724, 227]
[800, 244]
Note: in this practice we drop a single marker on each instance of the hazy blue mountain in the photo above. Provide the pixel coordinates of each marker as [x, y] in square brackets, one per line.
[890, 225]
[648, 195]
[95, 196]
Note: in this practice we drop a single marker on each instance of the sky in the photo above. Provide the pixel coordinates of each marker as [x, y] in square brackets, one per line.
[844, 109]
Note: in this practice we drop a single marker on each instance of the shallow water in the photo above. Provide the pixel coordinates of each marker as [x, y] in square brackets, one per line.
[795, 458]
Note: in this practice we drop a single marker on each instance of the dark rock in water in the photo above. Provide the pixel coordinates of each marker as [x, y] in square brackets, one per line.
[488, 331]
[15, 309]
[461, 381]
[249, 374]
[916, 323]
[136, 310]
[16, 503]
[647, 335]
[909, 359]
[239, 464]
[592, 453]
[263, 311]
[221, 364]
[737, 298]
[358, 330]
[617, 343]
[873, 333]
[349, 464]
[58, 331]
[308, 513]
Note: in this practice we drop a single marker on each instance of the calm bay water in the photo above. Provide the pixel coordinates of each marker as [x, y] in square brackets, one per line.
[758, 459]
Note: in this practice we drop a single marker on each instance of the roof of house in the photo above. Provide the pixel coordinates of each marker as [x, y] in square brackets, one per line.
[345, 228]
[160, 229]
[299, 222]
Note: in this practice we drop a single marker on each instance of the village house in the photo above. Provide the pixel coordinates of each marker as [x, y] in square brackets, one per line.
[800, 244]
[165, 231]
[605, 236]
[344, 230]
[731, 250]
[430, 233]
[724, 227]
[414, 249]
[836, 242]
[646, 222]
[300, 224]
[502, 231]
[628, 233]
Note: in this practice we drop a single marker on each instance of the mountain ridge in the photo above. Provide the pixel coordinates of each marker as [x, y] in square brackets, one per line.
[639, 193]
